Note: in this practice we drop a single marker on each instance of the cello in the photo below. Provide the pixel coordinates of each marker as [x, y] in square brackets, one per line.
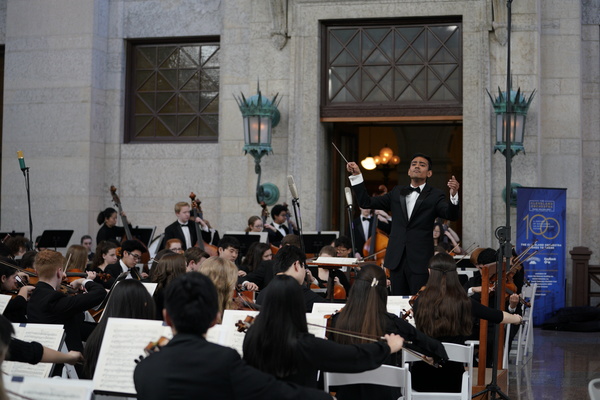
[197, 213]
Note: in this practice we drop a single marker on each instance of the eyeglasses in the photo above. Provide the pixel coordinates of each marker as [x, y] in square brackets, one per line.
[136, 256]
[176, 249]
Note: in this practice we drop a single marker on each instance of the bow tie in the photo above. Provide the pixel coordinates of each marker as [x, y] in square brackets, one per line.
[183, 225]
[366, 219]
[414, 189]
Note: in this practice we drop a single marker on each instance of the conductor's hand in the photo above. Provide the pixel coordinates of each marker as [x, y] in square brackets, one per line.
[395, 342]
[453, 185]
[352, 167]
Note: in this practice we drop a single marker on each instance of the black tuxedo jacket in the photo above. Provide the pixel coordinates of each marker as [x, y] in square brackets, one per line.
[275, 237]
[48, 306]
[412, 238]
[189, 367]
[174, 231]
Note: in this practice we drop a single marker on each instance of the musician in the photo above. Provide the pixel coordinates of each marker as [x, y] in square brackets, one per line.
[16, 309]
[279, 229]
[257, 253]
[365, 312]
[278, 341]
[343, 246]
[194, 257]
[444, 311]
[48, 305]
[129, 299]
[17, 246]
[199, 368]
[291, 261]
[174, 245]
[229, 248]
[168, 268]
[223, 274]
[105, 255]
[415, 208]
[363, 226]
[86, 241]
[77, 258]
[131, 254]
[109, 229]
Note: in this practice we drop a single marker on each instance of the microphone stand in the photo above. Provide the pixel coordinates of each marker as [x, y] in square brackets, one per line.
[26, 176]
[352, 239]
[298, 218]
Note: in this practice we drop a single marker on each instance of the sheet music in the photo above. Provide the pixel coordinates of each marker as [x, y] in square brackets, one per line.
[230, 337]
[317, 319]
[150, 287]
[124, 341]
[48, 389]
[398, 305]
[49, 335]
[213, 334]
[336, 260]
[4, 299]
[327, 308]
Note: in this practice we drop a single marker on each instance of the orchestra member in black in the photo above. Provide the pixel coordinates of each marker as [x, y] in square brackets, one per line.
[278, 341]
[189, 366]
[109, 229]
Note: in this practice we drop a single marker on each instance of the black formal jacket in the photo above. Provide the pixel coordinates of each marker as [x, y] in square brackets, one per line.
[48, 306]
[189, 367]
[174, 231]
[113, 234]
[411, 238]
[262, 275]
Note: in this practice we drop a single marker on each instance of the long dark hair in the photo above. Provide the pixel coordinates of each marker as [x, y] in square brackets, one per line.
[103, 215]
[128, 299]
[254, 255]
[444, 309]
[365, 309]
[270, 344]
[101, 250]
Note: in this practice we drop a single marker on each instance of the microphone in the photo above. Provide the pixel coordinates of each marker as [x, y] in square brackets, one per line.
[293, 188]
[21, 160]
[348, 196]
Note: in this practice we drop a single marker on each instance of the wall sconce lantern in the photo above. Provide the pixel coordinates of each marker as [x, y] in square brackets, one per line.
[382, 162]
[260, 116]
[515, 118]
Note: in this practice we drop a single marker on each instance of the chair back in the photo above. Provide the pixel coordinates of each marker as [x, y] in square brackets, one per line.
[385, 375]
[594, 389]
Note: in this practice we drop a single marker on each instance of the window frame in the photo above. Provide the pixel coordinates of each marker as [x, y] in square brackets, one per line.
[129, 109]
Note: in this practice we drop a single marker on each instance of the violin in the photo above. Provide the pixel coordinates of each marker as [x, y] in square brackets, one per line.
[153, 347]
[244, 300]
[409, 314]
[197, 213]
[264, 214]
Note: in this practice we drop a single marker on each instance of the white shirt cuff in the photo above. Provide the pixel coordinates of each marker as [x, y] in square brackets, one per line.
[356, 179]
[470, 292]
[454, 199]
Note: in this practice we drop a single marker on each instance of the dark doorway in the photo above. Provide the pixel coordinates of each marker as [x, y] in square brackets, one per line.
[441, 141]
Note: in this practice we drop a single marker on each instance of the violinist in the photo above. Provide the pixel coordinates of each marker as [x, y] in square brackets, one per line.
[168, 268]
[128, 299]
[257, 253]
[365, 312]
[77, 256]
[415, 208]
[17, 246]
[291, 261]
[256, 224]
[278, 341]
[194, 257]
[48, 305]
[223, 274]
[109, 229]
[174, 245]
[131, 254]
[16, 310]
[229, 248]
[197, 368]
[105, 255]
[444, 311]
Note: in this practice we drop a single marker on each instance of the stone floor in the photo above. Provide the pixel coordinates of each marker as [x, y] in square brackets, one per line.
[562, 365]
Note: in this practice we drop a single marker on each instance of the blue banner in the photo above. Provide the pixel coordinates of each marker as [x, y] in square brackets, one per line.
[541, 216]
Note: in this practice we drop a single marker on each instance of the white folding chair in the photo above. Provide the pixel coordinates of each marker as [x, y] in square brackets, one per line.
[458, 353]
[594, 389]
[386, 375]
[525, 336]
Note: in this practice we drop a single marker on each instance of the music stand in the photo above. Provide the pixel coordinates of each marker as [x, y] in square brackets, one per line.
[144, 234]
[55, 239]
[315, 241]
[245, 239]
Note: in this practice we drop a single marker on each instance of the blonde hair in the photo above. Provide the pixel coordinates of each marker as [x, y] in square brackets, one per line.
[78, 258]
[180, 205]
[223, 274]
[46, 263]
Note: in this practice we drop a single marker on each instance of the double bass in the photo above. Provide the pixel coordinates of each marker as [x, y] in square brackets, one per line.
[197, 213]
[377, 243]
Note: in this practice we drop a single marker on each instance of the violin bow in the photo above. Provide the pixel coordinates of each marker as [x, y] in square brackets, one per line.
[518, 259]
[67, 263]
[373, 338]
[374, 254]
[467, 252]
[455, 247]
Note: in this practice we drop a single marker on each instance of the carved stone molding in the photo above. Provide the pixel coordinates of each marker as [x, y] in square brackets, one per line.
[279, 16]
[500, 21]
